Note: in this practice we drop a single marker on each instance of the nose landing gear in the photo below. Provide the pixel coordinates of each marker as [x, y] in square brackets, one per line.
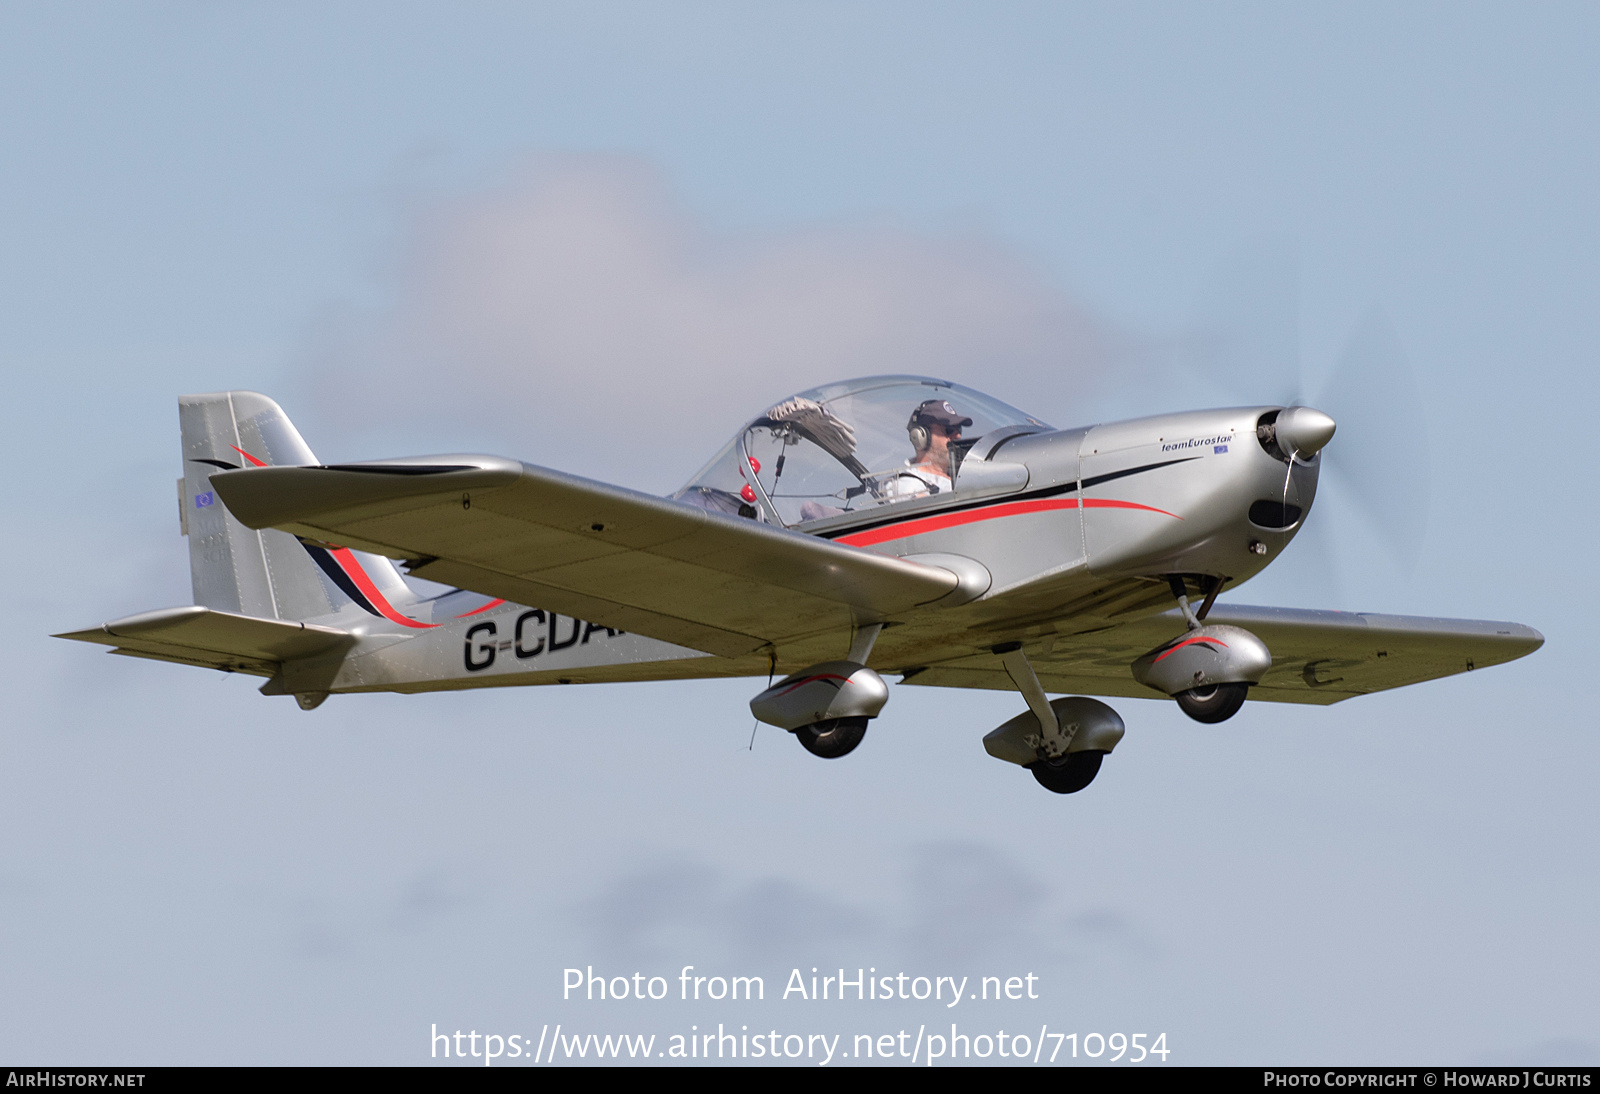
[1212, 704]
[1210, 668]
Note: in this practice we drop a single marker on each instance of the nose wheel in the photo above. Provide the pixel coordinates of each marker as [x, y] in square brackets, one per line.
[832, 738]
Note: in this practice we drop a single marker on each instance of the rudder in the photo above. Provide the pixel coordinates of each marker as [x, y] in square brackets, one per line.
[264, 573]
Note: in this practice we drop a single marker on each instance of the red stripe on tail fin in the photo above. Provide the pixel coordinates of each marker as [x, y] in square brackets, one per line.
[352, 568]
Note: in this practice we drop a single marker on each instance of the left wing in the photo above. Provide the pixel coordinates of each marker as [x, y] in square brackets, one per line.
[1317, 656]
[647, 565]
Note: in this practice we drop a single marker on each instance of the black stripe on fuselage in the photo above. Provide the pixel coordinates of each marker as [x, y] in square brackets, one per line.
[1026, 495]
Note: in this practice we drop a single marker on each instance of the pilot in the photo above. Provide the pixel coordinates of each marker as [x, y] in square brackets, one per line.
[933, 427]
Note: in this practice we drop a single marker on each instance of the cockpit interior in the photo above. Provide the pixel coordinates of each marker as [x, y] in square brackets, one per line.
[851, 447]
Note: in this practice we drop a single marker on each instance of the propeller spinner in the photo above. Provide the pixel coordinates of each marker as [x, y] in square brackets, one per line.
[1303, 431]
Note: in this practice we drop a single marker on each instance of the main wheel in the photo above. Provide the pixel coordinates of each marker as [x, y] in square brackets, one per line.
[1213, 703]
[1070, 774]
[833, 738]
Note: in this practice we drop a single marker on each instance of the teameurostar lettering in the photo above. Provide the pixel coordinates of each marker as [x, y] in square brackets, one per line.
[1198, 442]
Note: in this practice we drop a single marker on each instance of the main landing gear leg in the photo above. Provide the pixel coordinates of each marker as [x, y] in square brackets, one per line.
[862, 641]
[1056, 769]
[1052, 741]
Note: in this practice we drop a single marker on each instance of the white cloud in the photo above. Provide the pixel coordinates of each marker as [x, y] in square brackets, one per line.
[583, 313]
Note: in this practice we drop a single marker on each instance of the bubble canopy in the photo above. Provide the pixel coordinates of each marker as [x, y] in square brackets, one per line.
[851, 447]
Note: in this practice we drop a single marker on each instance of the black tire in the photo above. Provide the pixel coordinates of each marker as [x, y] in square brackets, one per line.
[833, 738]
[1213, 703]
[1070, 774]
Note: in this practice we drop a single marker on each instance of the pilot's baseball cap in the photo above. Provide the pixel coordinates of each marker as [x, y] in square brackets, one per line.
[940, 412]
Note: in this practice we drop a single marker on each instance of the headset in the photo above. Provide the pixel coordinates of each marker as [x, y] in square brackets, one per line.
[917, 431]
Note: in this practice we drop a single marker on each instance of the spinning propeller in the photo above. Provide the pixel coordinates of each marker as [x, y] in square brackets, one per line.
[1379, 460]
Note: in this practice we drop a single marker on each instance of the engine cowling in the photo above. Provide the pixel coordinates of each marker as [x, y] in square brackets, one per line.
[1203, 657]
[833, 689]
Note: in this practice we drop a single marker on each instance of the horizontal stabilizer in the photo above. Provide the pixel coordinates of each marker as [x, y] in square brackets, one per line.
[219, 640]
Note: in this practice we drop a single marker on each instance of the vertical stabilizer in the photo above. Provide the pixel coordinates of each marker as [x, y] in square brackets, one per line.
[237, 569]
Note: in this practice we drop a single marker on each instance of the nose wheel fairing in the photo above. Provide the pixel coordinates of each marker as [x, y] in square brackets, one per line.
[1209, 670]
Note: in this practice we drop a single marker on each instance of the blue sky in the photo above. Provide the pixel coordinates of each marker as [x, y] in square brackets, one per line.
[1090, 211]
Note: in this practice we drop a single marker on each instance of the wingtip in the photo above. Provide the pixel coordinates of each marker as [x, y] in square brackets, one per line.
[87, 634]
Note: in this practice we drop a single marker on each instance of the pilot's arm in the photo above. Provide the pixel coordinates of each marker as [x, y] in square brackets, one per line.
[915, 482]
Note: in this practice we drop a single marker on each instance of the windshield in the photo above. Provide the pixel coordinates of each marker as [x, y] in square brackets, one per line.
[850, 446]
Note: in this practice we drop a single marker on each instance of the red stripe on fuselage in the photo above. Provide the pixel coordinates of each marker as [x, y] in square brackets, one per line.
[352, 568]
[486, 607]
[937, 523]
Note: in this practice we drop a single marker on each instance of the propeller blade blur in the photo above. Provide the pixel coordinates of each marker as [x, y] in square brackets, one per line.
[1383, 454]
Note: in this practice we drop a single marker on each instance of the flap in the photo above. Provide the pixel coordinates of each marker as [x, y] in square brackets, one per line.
[648, 565]
[221, 640]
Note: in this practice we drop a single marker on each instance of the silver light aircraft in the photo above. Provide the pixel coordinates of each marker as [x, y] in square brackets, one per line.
[893, 525]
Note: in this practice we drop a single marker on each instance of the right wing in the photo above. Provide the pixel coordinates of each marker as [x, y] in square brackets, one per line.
[616, 557]
[1318, 657]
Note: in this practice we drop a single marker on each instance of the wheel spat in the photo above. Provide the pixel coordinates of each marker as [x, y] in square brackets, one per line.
[832, 738]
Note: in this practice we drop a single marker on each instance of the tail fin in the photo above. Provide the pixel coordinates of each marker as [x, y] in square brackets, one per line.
[269, 574]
